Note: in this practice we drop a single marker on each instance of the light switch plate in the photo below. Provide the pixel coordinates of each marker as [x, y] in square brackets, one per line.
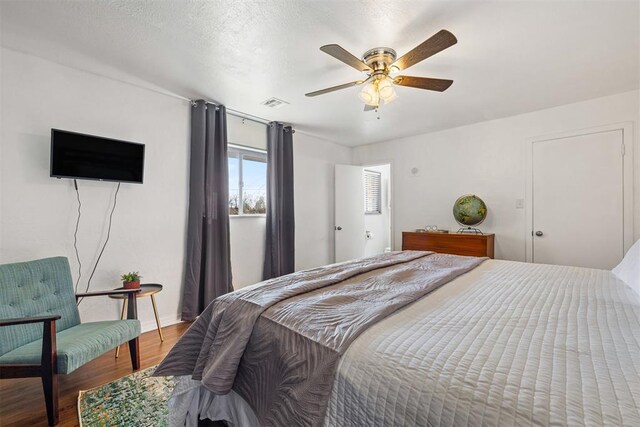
[519, 203]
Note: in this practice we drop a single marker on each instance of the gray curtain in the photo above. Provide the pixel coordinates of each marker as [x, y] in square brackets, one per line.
[208, 263]
[279, 256]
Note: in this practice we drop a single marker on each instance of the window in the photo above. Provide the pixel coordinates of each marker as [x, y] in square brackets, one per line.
[372, 192]
[247, 181]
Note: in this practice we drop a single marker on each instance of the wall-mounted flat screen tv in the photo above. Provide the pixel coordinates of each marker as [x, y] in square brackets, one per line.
[76, 155]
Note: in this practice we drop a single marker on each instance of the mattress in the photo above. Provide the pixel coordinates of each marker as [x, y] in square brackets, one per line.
[507, 343]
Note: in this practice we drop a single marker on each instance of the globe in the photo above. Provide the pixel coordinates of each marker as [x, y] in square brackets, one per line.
[469, 210]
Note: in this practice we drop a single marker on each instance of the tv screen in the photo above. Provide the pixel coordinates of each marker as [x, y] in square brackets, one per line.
[76, 155]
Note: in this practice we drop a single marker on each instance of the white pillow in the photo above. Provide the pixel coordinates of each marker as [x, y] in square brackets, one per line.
[629, 268]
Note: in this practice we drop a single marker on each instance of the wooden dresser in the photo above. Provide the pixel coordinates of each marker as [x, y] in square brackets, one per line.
[449, 243]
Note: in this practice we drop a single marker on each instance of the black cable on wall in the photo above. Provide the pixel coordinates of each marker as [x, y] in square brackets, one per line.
[75, 235]
[115, 203]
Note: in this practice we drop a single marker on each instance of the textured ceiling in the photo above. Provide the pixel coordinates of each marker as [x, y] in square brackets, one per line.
[512, 57]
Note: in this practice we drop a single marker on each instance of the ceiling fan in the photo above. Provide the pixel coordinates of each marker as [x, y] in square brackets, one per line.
[380, 64]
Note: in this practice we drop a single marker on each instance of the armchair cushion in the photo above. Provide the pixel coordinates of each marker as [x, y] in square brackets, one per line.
[78, 345]
[35, 288]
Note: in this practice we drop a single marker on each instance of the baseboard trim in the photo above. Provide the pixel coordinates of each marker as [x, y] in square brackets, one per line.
[164, 321]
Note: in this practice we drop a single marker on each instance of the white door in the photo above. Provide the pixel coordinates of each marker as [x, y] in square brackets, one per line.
[578, 200]
[349, 213]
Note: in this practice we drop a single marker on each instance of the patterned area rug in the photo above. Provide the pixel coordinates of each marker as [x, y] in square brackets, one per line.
[135, 400]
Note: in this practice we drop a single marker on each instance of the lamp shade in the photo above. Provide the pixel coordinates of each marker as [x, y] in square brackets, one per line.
[392, 98]
[386, 90]
[369, 94]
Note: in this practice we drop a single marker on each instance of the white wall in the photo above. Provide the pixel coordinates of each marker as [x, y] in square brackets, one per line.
[248, 133]
[487, 159]
[314, 162]
[39, 212]
[247, 233]
[247, 236]
[379, 224]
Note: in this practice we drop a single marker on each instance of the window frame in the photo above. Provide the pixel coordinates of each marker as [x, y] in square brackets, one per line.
[254, 154]
[379, 201]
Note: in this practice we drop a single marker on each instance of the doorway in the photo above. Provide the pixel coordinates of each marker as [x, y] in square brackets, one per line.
[580, 200]
[362, 211]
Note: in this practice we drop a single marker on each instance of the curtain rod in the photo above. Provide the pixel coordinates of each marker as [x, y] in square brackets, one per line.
[248, 116]
[253, 118]
[230, 111]
[237, 113]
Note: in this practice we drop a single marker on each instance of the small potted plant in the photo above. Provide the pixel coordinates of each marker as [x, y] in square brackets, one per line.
[131, 280]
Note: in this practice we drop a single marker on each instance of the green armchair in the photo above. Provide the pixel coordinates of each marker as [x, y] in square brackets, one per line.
[40, 330]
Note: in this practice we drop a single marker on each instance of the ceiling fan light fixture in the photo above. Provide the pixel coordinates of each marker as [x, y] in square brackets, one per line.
[391, 98]
[369, 94]
[386, 90]
[375, 100]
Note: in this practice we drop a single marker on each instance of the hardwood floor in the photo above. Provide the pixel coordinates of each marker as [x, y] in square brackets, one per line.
[22, 400]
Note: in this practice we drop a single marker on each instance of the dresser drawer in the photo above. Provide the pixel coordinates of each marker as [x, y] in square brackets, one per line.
[450, 243]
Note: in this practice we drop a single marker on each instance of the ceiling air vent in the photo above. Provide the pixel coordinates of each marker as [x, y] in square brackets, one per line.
[274, 103]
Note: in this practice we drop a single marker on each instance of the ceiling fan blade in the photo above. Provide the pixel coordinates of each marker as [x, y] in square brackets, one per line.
[436, 43]
[343, 55]
[334, 88]
[439, 85]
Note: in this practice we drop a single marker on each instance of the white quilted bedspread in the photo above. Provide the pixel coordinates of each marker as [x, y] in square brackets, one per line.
[506, 344]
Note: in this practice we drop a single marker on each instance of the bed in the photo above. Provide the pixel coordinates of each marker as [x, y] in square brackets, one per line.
[460, 341]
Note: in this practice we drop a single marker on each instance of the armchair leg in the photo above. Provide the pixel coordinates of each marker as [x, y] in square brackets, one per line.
[134, 348]
[134, 351]
[50, 386]
[49, 371]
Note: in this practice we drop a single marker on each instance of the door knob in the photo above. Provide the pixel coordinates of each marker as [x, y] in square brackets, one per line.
[539, 233]
[338, 228]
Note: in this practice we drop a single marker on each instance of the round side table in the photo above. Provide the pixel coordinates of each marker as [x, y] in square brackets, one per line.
[146, 290]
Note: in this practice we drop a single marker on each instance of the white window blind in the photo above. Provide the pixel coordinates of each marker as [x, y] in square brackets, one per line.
[372, 192]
